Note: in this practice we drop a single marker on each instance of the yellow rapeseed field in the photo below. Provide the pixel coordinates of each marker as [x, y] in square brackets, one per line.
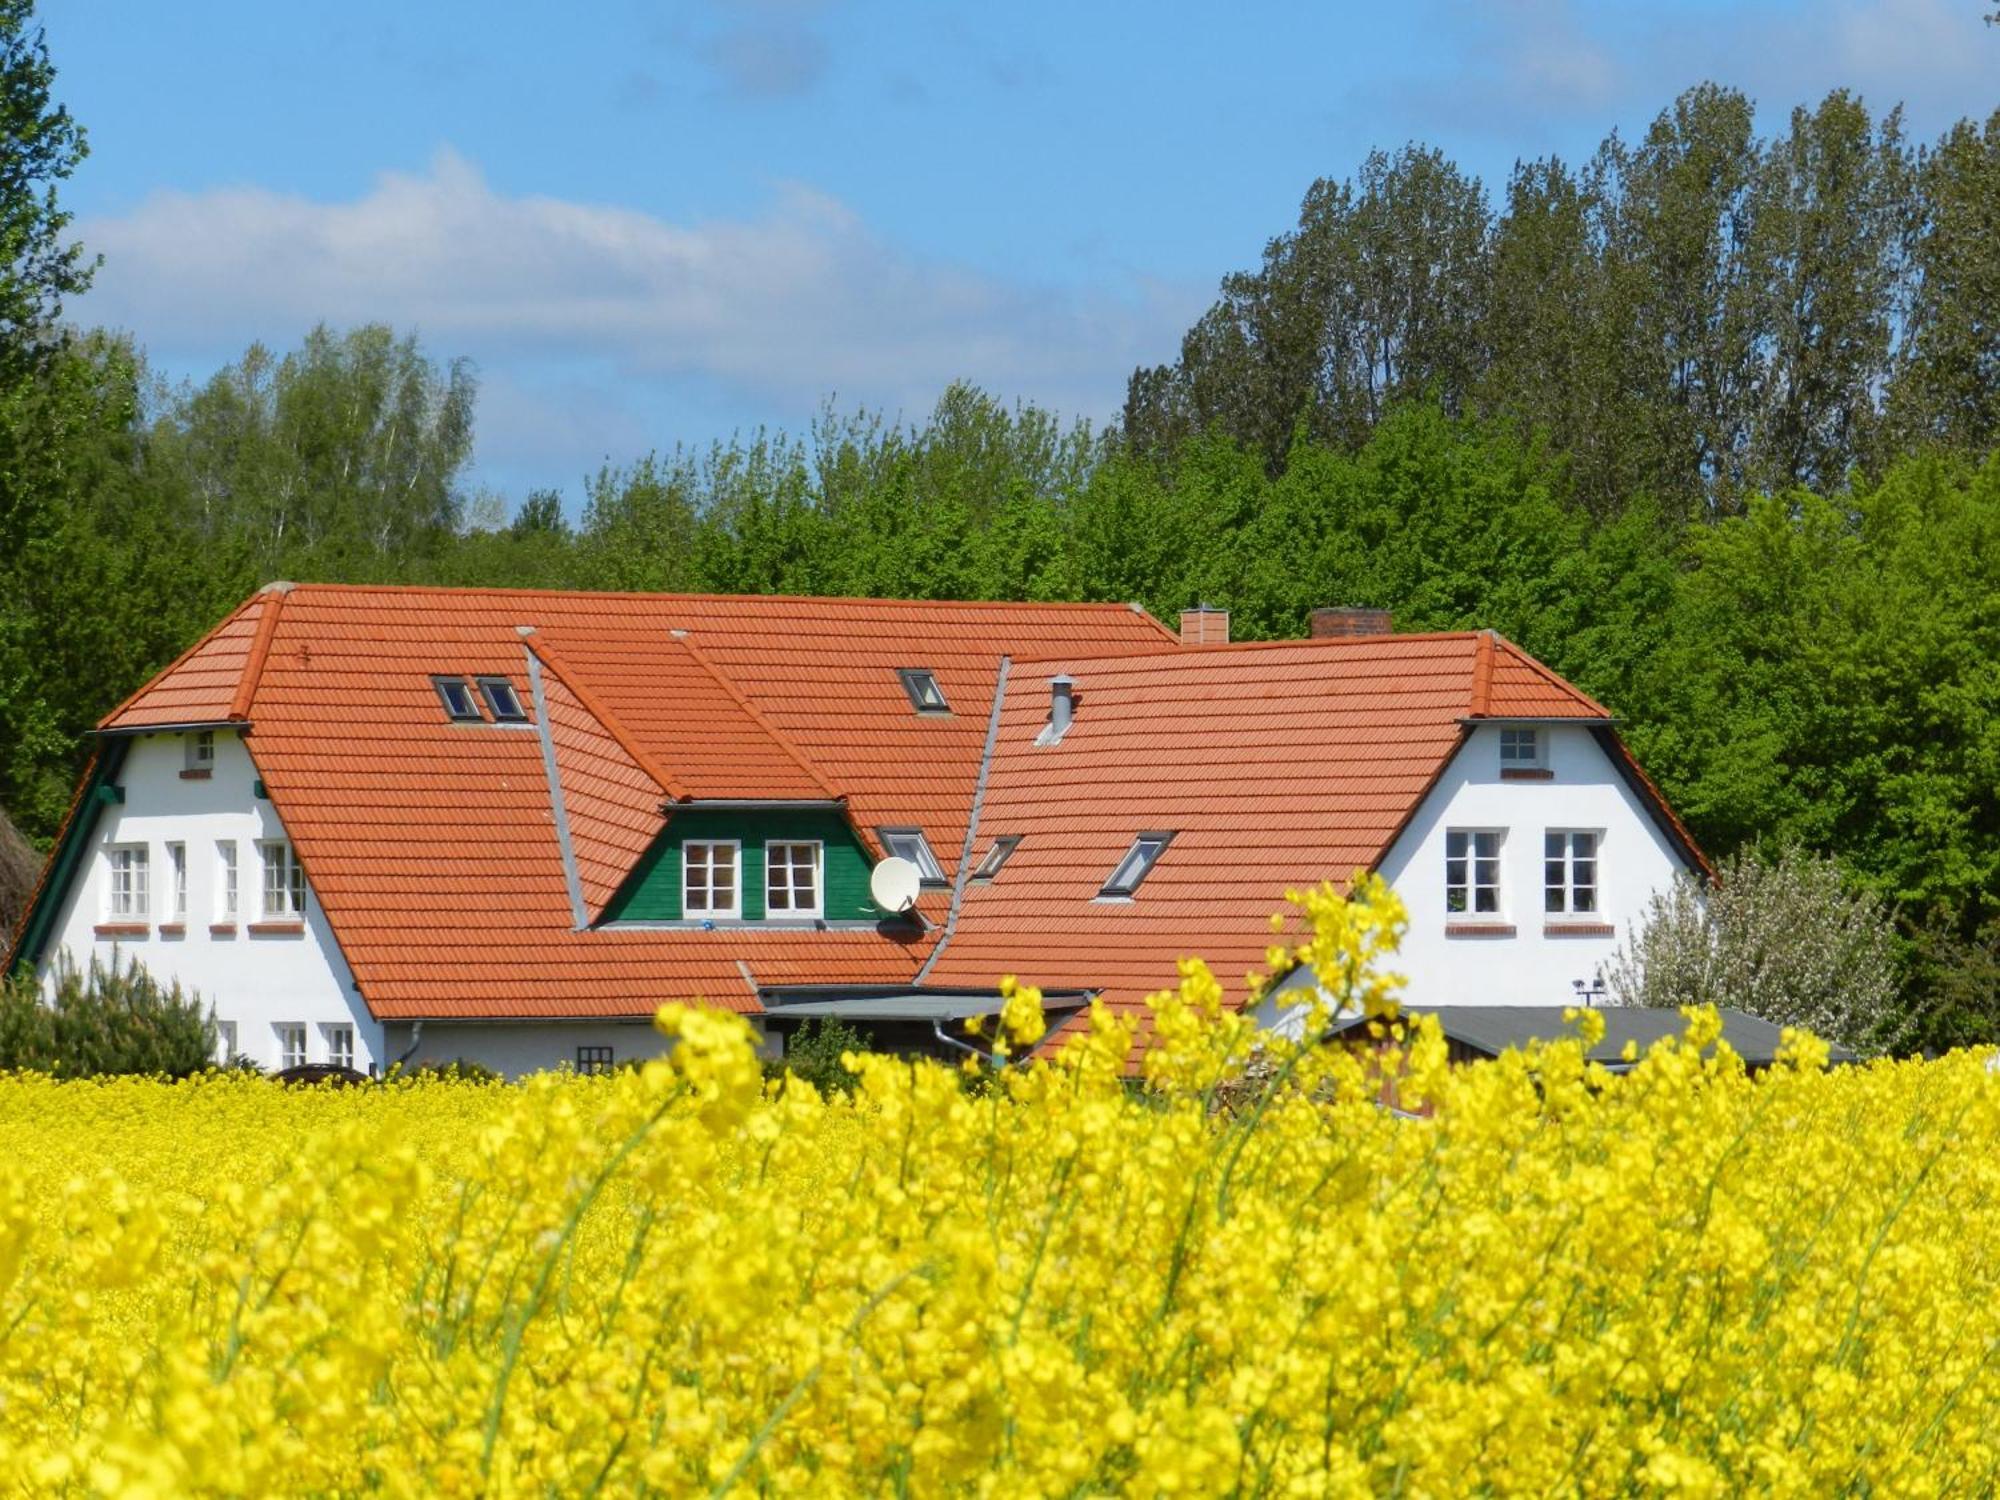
[677, 1281]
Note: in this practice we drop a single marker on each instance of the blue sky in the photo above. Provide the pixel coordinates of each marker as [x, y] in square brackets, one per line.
[657, 223]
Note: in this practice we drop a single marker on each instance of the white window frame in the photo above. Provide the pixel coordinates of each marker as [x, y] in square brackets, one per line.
[710, 913]
[1523, 747]
[288, 1032]
[225, 1041]
[289, 889]
[228, 892]
[201, 750]
[128, 882]
[338, 1039]
[1474, 859]
[177, 882]
[910, 844]
[1563, 852]
[796, 913]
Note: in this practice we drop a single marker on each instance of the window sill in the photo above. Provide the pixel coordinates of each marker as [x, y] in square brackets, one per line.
[1526, 773]
[276, 929]
[173, 929]
[1479, 929]
[121, 929]
[197, 775]
[1578, 929]
[222, 929]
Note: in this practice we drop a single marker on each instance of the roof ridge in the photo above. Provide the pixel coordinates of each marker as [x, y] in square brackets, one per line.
[1314, 642]
[260, 649]
[215, 630]
[1482, 676]
[811, 770]
[1551, 676]
[669, 785]
[1096, 606]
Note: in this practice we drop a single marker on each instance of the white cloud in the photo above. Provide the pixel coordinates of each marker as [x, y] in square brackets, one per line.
[801, 301]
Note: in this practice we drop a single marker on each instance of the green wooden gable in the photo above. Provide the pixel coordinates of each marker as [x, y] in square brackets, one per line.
[652, 892]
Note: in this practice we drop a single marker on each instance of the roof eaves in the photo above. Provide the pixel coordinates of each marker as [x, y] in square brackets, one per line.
[667, 784]
[1655, 801]
[812, 771]
[1553, 678]
[146, 687]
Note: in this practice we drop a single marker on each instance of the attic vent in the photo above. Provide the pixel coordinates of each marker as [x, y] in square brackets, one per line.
[926, 697]
[996, 856]
[1137, 864]
[456, 695]
[502, 700]
[910, 844]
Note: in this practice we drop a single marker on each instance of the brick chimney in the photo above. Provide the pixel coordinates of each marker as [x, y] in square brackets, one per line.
[1341, 621]
[1204, 625]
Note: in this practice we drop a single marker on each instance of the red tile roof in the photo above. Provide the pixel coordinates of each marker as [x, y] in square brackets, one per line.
[433, 846]
[1275, 765]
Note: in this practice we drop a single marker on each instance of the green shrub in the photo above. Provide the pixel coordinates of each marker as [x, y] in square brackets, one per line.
[813, 1054]
[108, 1019]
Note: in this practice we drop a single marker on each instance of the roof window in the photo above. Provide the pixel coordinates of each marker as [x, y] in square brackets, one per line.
[502, 700]
[926, 697]
[996, 856]
[456, 695]
[1137, 864]
[910, 844]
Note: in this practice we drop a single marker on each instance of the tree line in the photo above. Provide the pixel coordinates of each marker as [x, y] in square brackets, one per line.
[1707, 426]
[1700, 314]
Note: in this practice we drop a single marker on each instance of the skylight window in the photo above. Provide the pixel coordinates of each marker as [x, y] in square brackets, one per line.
[926, 697]
[996, 856]
[1137, 864]
[456, 695]
[502, 700]
[910, 844]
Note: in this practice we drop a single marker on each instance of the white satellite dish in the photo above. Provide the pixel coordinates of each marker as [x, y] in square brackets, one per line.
[894, 884]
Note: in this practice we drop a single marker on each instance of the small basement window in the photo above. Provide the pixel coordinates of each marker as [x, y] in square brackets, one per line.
[910, 844]
[502, 700]
[1137, 864]
[996, 856]
[926, 697]
[456, 695]
[594, 1060]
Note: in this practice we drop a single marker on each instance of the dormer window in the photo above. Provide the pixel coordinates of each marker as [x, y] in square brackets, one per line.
[502, 701]
[456, 695]
[201, 751]
[910, 844]
[996, 856]
[1137, 864]
[926, 697]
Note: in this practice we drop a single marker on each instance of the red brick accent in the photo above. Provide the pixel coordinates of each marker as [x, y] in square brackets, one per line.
[1203, 626]
[1578, 929]
[1479, 929]
[121, 929]
[276, 929]
[222, 929]
[173, 929]
[1526, 773]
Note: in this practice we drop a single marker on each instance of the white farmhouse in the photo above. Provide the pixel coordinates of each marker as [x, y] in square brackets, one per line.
[373, 825]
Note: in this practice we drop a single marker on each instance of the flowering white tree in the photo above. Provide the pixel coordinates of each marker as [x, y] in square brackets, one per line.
[1786, 939]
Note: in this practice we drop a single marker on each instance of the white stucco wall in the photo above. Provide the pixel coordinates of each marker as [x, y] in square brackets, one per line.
[1585, 793]
[254, 980]
[517, 1048]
